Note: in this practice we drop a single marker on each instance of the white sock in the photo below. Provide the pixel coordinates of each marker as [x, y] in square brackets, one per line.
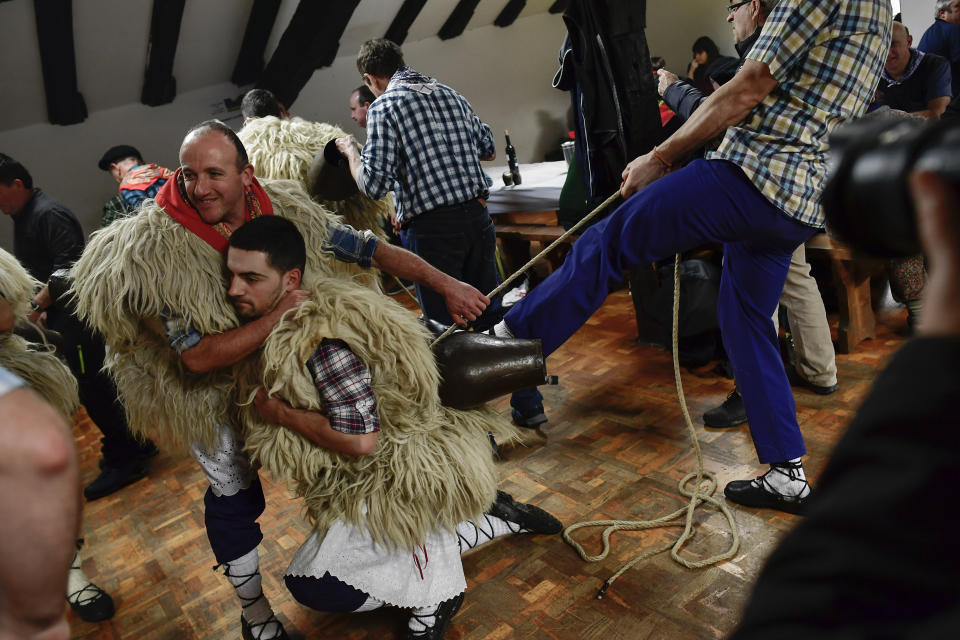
[370, 604]
[501, 330]
[244, 574]
[471, 535]
[423, 619]
[79, 588]
[787, 479]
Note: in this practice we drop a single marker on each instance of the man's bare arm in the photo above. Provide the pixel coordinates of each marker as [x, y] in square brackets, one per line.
[727, 106]
[314, 426]
[935, 108]
[227, 348]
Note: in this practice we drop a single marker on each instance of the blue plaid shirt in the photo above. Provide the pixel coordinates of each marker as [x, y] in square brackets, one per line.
[8, 382]
[343, 242]
[425, 142]
[826, 56]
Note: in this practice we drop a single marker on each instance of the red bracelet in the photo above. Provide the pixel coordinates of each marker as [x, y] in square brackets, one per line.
[658, 156]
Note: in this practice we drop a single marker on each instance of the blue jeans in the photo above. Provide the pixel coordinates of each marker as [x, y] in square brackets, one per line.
[707, 201]
[460, 241]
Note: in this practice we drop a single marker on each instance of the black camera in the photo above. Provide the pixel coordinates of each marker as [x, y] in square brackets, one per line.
[867, 200]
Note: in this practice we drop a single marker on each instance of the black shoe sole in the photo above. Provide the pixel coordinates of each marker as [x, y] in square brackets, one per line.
[100, 609]
[751, 496]
[528, 516]
[445, 613]
[103, 493]
[532, 421]
[723, 425]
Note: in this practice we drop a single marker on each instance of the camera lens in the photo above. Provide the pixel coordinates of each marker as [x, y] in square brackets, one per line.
[867, 199]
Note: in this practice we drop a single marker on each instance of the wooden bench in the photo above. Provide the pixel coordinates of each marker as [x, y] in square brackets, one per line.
[522, 235]
[851, 277]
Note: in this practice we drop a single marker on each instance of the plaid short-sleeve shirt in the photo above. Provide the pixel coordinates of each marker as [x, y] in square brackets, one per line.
[826, 56]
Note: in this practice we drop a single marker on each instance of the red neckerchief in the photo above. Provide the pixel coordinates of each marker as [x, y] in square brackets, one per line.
[173, 200]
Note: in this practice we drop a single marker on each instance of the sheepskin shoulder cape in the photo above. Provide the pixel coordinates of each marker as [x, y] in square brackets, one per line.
[43, 372]
[285, 149]
[432, 467]
[141, 266]
[16, 285]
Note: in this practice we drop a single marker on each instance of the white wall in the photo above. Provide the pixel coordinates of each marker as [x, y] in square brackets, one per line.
[917, 16]
[671, 31]
[504, 73]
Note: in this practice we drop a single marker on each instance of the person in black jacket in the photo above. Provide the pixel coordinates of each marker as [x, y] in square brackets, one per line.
[48, 239]
[873, 558]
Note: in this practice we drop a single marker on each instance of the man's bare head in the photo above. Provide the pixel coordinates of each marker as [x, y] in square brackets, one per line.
[899, 56]
[216, 173]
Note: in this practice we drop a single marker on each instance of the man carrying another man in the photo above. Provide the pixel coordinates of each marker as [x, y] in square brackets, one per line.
[161, 272]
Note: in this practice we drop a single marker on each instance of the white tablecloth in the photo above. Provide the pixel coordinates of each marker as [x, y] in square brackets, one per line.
[539, 190]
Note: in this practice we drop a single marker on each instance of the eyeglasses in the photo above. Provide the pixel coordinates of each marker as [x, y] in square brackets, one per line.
[736, 5]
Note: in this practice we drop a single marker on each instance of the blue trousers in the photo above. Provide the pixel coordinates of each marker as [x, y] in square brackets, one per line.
[707, 201]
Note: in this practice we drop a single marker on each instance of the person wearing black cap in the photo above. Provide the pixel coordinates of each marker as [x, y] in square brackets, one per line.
[138, 181]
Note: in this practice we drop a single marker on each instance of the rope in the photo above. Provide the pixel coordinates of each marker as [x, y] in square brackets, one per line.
[519, 272]
[697, 494]
[407, 291]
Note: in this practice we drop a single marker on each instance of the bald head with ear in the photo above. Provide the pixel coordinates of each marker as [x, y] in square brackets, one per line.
[216, 173]
[898, 58]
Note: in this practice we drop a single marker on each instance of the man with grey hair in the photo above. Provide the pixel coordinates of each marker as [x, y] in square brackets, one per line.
[816, 367]
[943, 38]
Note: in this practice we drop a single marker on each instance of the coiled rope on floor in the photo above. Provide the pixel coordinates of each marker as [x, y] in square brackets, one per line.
[697, 494]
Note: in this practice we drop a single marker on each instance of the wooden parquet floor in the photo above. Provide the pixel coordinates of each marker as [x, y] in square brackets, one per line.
[614, 448]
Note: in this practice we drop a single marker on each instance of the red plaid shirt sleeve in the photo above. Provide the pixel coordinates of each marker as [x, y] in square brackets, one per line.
[343, 382]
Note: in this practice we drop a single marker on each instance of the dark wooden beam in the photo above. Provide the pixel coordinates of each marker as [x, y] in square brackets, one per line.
[510, 13]
[404, 19]
[159, 85]
[58, 61]
[458, 19]
[249, 65]
[310, 41]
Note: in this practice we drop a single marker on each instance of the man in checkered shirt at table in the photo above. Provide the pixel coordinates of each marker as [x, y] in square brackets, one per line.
[815, 65]
[425, 142]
